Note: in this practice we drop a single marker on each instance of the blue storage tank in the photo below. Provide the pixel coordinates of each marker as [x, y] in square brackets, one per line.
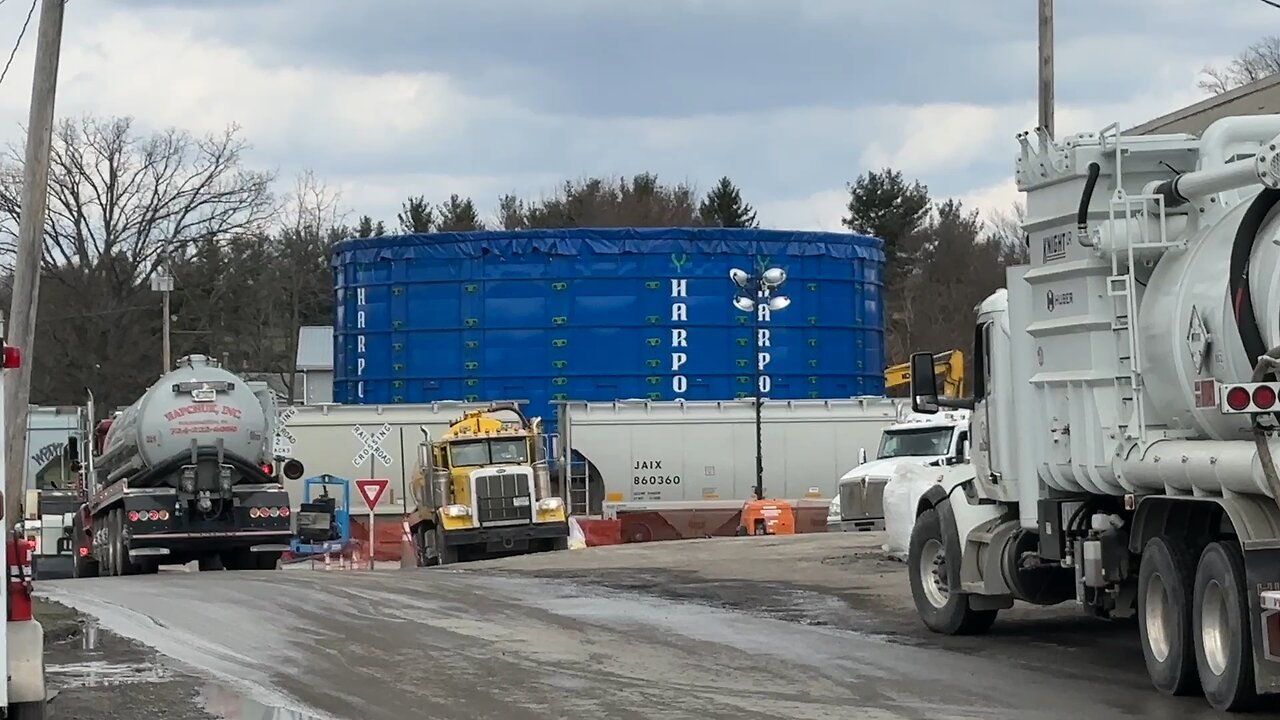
[601, 314]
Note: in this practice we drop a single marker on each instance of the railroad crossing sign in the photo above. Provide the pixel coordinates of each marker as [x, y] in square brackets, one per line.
[282, 441]
[372, 490]
[372, 445]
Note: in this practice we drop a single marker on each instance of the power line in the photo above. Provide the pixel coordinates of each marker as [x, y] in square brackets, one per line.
[18, 44]
[1272, 3]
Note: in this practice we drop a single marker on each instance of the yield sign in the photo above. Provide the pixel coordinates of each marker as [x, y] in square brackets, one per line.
[371, 491]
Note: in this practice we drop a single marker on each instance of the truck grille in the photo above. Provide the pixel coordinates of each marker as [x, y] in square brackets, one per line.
[502, 498]
[861, 499]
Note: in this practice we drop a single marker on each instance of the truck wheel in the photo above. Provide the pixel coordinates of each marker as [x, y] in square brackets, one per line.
[209, 563]
[266, 560]
[113, 550]
[930, 569]
[1223, 639]
[1166, 579]
[422, 540]
[446, 555]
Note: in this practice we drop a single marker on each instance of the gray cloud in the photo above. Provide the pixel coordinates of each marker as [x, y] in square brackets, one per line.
[791, 98]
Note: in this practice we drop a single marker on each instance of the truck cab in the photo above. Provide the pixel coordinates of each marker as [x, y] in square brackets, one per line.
[919, 439]
[484, 487]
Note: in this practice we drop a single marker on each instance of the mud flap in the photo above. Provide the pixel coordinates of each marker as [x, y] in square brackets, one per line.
[1262, 570]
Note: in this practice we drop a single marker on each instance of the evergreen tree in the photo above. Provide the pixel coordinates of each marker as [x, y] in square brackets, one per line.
[884, 205]
[458, 215]
[723, 207]
[417, 215]
[368, 228]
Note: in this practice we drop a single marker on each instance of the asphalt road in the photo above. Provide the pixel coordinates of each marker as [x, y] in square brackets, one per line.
[490, 642]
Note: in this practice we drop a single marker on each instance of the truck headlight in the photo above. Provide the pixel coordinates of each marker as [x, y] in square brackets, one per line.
[550, 504]
[457, 511]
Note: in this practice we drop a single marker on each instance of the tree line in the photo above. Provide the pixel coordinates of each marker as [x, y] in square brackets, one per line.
[251, 266]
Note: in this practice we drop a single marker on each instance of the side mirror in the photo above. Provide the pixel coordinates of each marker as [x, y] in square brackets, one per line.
[962, 448]
[862, 456]
[924, 386]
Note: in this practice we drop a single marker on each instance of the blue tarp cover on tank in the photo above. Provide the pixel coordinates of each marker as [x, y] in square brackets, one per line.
[608, 241]
[602, 314]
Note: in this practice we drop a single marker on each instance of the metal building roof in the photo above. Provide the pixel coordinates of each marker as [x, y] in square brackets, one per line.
[1260, 97]
[315, 347]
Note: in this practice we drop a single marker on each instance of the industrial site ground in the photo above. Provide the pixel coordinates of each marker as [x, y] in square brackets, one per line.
[808, 626]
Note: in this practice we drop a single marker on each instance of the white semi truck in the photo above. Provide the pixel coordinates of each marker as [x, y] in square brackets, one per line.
[1125, 409]
[920, 439]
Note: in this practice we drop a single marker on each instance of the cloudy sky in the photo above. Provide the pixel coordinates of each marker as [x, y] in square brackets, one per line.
[790, 98]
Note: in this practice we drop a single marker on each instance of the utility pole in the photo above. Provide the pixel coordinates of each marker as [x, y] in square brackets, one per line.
[1046, 65]
[26, 272]
[162, 282]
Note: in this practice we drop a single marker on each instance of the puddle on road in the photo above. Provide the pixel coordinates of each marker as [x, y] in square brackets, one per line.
[229, 704]
[100, 673]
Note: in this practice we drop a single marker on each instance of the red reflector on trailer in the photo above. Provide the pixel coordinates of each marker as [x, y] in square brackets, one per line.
[1237, 398]
[12, 357]
[267, 469]
[1264, 397]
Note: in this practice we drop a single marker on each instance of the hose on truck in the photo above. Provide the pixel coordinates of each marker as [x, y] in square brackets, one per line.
[1238, 272]
[1266, 361]
[1267, 365]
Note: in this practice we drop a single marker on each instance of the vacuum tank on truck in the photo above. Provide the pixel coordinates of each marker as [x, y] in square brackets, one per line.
[182, 474]
[1125, 409]
[485, 487]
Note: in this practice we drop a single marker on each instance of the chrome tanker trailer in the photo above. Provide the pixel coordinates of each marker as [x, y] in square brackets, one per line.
[1125, 416]
[182, 474]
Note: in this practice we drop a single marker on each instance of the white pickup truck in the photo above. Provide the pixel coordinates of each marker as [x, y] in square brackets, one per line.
[919, 439]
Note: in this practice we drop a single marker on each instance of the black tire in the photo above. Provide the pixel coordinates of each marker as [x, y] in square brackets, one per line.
[446, 555]
[210, 563]
[267, 560]
[1166, 582]
[422, 544]
[113, 548]
[1223, 638]
[942, 610]
[560, 543]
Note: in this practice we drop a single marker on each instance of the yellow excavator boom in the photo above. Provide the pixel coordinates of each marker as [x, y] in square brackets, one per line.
[948, 367]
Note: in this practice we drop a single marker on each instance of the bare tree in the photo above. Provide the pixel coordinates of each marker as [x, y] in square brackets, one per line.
[312, 225]
[1005, 231]
[1259, 60]
[122, 203]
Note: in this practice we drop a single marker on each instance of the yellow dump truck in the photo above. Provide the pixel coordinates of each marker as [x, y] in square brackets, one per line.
[948, 368]
[484, 488]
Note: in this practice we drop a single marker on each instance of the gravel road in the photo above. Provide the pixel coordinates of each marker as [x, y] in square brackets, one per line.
[810, 626]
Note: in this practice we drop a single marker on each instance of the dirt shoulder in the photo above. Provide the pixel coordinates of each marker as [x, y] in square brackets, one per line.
[100, 676]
